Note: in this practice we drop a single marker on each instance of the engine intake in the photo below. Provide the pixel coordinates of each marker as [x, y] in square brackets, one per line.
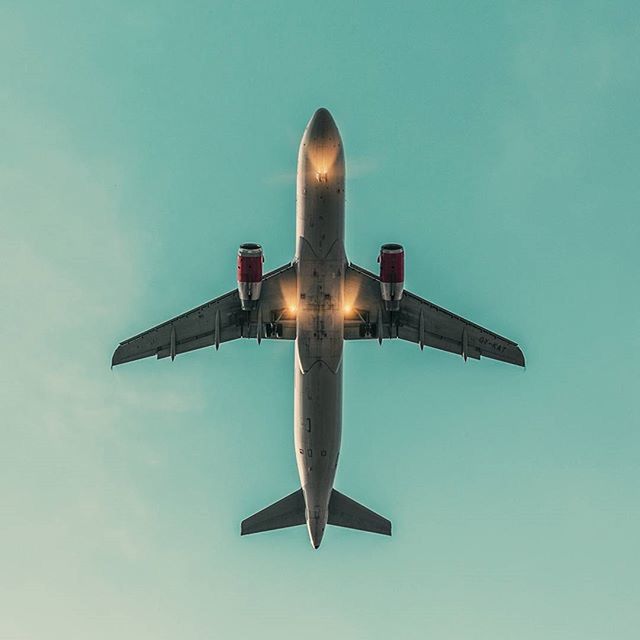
[249, 277]
[391, 261]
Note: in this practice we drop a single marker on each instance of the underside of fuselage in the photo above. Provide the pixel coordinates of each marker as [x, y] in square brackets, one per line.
[320, 285]
[321, 262]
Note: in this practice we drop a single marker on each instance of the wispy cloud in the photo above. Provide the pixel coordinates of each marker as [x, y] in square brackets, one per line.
[71, 272]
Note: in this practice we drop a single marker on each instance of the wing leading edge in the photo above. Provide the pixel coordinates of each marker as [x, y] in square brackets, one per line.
[217, 321]
[421, 322]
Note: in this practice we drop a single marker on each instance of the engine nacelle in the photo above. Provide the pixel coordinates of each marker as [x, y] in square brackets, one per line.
[391, 261]
[250, 261]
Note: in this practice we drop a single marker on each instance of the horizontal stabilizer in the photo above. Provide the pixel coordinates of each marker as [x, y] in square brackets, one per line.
[345, 512]
[287, 512]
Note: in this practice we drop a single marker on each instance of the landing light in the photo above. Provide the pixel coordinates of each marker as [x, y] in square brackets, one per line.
[348, 308]
[293, 308]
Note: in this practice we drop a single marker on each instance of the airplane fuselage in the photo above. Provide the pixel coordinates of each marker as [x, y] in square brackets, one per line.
[321, 264]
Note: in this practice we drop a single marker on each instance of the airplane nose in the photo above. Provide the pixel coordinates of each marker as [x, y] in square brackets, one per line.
[322, 125]
[321, 157]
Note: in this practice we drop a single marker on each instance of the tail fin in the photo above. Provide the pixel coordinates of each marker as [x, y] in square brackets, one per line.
[345, 512]
[287, 512]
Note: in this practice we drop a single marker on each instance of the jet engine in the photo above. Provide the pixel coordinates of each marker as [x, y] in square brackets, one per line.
[391, 261]
[250, 261]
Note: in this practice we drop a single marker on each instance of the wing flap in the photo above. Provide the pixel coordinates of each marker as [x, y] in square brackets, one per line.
[435, 340]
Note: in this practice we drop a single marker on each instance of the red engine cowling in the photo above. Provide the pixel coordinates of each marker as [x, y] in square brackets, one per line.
[391, 261]
[249, 277]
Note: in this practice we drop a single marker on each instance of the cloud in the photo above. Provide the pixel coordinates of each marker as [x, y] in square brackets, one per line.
[70, 426]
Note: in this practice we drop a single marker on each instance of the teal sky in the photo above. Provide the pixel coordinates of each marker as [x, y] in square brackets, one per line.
[141, 143]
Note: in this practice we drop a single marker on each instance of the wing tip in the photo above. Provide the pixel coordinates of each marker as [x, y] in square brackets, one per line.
[119, 357]
[114, 359]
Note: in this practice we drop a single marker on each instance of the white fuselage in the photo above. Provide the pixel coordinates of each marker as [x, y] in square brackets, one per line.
[321, 263]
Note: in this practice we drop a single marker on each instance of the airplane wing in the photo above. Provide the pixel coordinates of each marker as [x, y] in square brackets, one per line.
[419, 321]
[219, 320]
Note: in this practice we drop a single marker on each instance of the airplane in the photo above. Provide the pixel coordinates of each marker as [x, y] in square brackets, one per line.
[318, 301]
